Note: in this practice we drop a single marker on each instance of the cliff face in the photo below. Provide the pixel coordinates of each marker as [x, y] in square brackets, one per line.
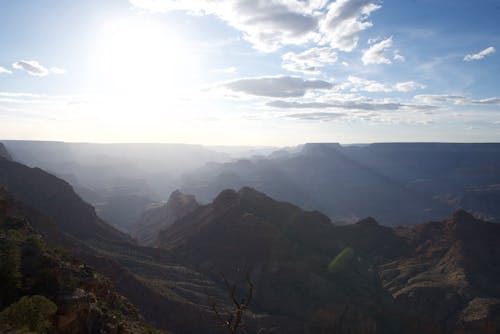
[83, 300]
[451, 275]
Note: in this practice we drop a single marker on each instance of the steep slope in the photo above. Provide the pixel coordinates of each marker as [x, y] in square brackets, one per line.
[56, 199]
[451, 276]
[309, 275]
[167, 293]
[287, 253]
[37, 278]
[157, 218]
[123, 176]
[438, 277]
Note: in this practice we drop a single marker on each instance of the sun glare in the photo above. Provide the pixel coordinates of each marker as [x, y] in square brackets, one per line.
[143, 58]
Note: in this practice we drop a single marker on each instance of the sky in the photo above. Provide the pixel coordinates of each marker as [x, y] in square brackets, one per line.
[250, 72]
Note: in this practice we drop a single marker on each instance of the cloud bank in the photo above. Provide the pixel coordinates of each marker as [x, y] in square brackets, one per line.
[309, 61]
[457, 99]
[317, 116]
[275, 86]
[269, 25]
[345, 105]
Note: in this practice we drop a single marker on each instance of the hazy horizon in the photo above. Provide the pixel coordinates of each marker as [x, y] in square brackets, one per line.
[235, 146]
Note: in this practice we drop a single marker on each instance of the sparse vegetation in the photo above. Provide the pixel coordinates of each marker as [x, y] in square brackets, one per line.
[29, 314]
[232, 320]
[40, 285]
[10, 275]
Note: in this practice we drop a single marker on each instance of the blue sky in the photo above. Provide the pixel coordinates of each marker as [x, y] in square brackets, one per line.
[250, 72]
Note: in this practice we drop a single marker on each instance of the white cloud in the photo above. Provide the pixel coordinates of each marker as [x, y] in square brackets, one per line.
[18, 94]
[408, 86]
[280, 104]
[357, 84]
[317, 116]
[309, 61]
[344, 21]
[269, 25]
[352, 105]
[34, 68]
[4, 70]
[275, 86]
[227, 70]
[361, 84]
[490, 101]
[441, 98]
[367, 105]
[457, 99]
[398, 57]
[376, 53]
[266, 24]
[57, 70]
[373, 40]
[480, 55]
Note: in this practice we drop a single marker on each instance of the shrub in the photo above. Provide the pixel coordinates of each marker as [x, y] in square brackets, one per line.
[30, 313]
[36, 242]
[10, 274]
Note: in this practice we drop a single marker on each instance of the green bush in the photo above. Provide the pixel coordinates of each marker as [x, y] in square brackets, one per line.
[30, 313]
[36, 242]
[10, 274]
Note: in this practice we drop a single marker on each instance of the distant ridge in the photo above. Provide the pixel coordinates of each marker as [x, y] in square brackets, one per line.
[421, 181]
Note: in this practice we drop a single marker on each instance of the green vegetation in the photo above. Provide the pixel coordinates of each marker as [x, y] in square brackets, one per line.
[10, 274]
[341, 261]
[36, 243]
[31, 314]
[33, 274]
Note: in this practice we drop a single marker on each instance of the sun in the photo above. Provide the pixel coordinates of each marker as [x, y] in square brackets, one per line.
[142, 79]
[141, 57]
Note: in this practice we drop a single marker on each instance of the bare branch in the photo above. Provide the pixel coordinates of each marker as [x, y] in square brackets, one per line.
[233, 320]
